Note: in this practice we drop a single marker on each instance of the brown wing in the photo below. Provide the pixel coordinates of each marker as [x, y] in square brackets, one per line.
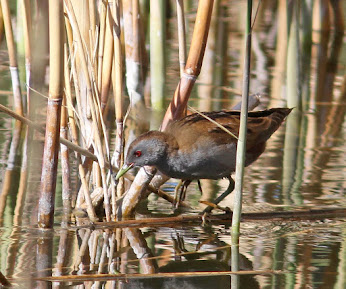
[195, 128]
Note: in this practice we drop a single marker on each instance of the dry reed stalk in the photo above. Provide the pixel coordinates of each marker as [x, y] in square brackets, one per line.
[27, 23]
[10, 184]
[51, 147]
[95, 116]
[28, 132]
[177, 105]
[92, 13]
[11, 47]
[133, 54]
[102, 33]
[65, 165]
[118, 96]
[107, 61]
[157, 53]
[74, 134]
[181, 35]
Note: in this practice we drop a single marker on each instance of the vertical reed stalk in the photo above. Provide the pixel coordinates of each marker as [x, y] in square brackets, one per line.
[51, 149]
[241, 145]
[27, 45]
[118, 95]
[134, 74]
[103, 15]
[157, 53]
[181, 35]
[28, 133]
[17, 97]
[241, 151]
[107, 60]
[65, 165]
[10, 182]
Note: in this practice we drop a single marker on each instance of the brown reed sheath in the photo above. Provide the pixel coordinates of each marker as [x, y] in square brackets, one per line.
[51, 148]
[193, 64]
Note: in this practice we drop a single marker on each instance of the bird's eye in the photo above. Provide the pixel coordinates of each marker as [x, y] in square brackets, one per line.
[137, 153]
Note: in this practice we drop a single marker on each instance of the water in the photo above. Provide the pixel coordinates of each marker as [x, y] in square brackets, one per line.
[302, 168]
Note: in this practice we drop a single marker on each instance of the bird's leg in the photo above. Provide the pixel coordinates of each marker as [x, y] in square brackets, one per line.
[199, 186]
[176, 192]
[182, 186]
[183, 190]
[221, 197]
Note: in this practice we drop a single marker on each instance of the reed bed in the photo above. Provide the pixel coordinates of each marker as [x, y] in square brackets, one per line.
[98, 48]
[89, 52]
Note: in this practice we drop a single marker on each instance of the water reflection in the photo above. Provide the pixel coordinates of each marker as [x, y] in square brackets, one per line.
[292, 253]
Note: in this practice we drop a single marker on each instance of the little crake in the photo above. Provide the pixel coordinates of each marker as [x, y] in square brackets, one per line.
[195, 148]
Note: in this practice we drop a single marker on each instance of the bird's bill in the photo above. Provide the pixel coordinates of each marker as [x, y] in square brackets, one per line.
[124, 170]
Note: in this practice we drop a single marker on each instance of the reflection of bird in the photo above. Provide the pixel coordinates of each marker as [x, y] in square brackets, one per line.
[195, 148]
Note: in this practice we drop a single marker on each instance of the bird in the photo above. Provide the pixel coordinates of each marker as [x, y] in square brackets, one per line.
[194, 148]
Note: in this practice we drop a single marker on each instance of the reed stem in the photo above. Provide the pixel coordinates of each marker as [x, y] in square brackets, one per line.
[51, 147]
[241, 145]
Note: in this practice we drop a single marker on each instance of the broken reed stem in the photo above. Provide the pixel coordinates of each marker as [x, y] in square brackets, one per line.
[181, 35]
[51, 148]
[241, 145]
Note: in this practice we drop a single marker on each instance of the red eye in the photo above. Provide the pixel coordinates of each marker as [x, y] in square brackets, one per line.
[138, 154]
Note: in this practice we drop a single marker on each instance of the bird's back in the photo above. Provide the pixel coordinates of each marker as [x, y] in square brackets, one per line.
[261, 125]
